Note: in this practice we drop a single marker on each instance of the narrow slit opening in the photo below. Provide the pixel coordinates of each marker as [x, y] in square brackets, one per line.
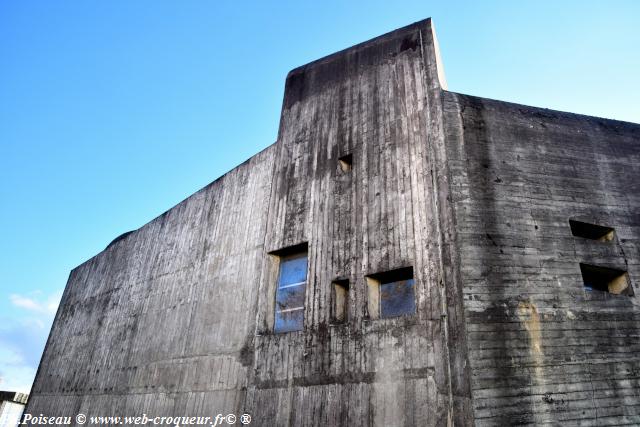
[340, 296]
[346, 163]
[591, 231]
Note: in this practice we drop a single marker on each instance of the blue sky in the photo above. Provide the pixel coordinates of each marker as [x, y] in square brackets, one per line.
[112, 112]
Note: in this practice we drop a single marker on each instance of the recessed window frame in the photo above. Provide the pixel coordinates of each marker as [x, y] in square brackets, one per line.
[606, 279]
[346, 163]
[290, 289]
[587, 230]
[340, 301]
[380, 304]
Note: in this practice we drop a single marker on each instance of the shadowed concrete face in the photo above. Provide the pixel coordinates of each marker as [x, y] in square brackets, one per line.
[376, 170]
[538, 195]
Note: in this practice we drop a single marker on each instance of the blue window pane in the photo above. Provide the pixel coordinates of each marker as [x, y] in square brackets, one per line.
[290, 297]
[289, 321]
[292, 281]
[397, 298]
[293, 270]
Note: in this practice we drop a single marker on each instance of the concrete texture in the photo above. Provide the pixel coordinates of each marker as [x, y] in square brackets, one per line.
[475, 195]
[542, 349]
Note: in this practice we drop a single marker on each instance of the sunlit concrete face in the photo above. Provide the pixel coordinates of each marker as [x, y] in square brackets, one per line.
[402, 255]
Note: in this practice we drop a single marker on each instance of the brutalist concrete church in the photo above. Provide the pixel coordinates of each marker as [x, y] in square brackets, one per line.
[402, 255]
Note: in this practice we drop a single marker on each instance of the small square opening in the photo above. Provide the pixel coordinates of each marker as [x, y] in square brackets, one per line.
[340, 301]
[604, 279]
[391, 293]
[591, 231]
[346, 163]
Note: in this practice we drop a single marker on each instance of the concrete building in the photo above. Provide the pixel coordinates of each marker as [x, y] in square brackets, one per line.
[11, 407]
[401, 255]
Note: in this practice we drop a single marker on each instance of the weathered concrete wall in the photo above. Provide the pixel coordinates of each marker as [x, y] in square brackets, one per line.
[378, 102]
[160, 321]
[542, 349]
[177, 317]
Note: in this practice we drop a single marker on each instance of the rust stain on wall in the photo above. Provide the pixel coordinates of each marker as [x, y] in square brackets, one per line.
[528, 314]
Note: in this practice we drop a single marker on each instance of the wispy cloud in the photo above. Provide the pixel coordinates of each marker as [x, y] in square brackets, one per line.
[22, 338]
[47, 306]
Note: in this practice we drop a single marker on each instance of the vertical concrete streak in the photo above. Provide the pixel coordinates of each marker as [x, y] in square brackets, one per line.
[436, 209]
[449, 281]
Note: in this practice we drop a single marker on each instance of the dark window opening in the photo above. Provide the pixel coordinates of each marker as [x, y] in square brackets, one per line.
[591, 231]
[346, 162]
[605, 279]
[391, 293]
[290, 293]
[340, 300]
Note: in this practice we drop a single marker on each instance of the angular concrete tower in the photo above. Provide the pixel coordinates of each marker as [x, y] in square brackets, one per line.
[402, 255]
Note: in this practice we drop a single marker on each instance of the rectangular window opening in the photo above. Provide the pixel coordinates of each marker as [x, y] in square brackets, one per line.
[591, 231]
[340, 301]
[391, 293]
[291, 286]
[346, 163]
[604, 279]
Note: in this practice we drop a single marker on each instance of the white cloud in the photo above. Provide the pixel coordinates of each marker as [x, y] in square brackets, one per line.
[47, 306]
[22, 339]
[20, 301]
[15, 374]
